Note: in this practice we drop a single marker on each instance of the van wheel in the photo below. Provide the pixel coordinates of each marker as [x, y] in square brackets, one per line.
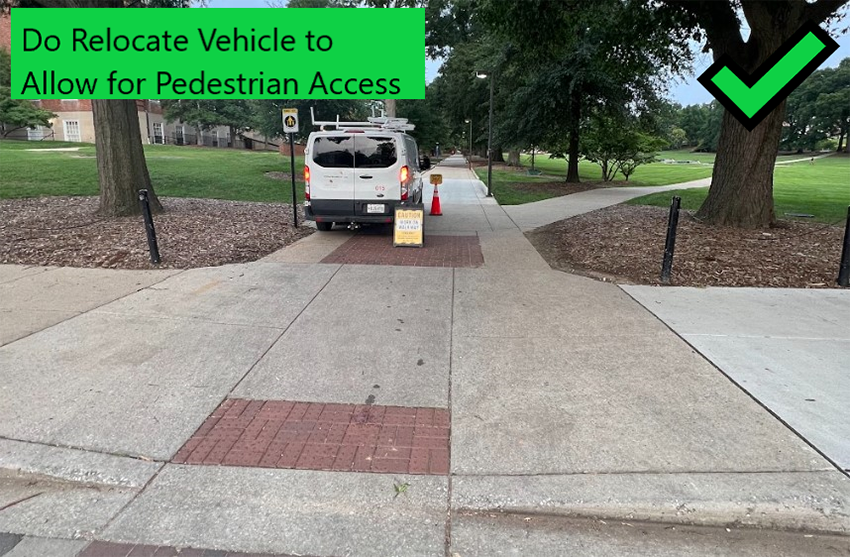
[324, 226]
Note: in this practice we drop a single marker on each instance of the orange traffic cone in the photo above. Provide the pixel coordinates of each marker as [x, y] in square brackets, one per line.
[435, 203]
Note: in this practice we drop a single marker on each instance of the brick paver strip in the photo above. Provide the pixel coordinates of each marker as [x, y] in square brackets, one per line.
[319, 436]
[110, 549]
[439, 251]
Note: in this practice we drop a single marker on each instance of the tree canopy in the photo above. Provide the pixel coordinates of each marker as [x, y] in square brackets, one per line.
[17, 113]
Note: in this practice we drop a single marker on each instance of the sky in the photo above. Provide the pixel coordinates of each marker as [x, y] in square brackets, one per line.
[686, 90]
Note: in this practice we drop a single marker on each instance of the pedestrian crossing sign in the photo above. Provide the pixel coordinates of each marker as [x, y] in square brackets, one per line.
[290, 120]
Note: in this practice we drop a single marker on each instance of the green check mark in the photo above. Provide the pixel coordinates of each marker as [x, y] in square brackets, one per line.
[750, 97]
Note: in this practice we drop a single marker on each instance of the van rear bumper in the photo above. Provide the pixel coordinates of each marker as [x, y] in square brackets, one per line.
[340, 210]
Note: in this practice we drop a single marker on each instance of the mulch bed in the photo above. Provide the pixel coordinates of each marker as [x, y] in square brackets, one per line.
[66, 231]
[556, 189]
[626, 244]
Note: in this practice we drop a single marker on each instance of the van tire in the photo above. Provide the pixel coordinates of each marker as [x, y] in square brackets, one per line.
[324, 226]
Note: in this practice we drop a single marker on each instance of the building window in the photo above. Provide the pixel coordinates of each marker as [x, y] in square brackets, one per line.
[72, 131]
[158, 136]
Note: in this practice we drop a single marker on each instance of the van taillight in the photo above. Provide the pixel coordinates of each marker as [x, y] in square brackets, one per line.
[307, 183]
[403, 176]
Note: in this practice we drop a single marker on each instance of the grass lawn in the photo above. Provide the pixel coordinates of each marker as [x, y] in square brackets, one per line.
[506, 193]
[175, 171]
[655, 174]
[822, 189]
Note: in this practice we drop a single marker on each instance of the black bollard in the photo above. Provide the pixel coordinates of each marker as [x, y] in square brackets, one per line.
[151, 231]
[844, 267]
[670, 244]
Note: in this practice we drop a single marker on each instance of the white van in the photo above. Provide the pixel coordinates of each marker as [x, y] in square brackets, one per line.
[360, 171]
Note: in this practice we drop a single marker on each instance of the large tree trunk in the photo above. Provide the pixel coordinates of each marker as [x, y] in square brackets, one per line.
[498, 154]
[121, 166]
[513, 157]
[572, 149]
[840, 142]
[741, 192]
[390, 107]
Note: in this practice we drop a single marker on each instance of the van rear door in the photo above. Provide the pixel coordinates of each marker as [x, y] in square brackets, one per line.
[332, 175]
[376, 166]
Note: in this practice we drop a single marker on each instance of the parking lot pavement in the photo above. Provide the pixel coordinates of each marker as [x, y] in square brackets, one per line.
[788, 348]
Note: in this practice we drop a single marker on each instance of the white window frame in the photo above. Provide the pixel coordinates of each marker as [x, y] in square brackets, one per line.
[67, 126]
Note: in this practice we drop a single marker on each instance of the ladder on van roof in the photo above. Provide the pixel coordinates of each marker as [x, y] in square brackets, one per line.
[375, 123]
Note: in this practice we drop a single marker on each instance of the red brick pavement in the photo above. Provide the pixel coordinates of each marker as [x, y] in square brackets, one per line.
[319, 436]
[109, 549]
[439, 251]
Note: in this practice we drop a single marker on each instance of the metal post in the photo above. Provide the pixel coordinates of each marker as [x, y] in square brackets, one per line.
[490, 139]
[292, 171]
[470, 144]
[670, 244]
[149, 229]
[844, 268]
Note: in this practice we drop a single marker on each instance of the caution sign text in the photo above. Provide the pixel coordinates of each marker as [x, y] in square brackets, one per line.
[409, 227]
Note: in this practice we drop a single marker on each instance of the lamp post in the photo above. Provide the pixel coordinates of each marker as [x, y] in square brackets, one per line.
[469, 121]
[484, 75]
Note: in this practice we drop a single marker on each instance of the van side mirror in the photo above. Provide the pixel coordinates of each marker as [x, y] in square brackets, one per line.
[424, 163]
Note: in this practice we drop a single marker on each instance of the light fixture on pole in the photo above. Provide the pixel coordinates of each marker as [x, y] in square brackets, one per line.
[484, 75]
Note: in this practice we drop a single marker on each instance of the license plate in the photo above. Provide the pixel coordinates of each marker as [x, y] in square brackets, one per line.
[375, 208]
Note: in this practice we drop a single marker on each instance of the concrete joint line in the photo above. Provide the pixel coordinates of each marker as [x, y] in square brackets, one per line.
[139, 457]
[283, 332]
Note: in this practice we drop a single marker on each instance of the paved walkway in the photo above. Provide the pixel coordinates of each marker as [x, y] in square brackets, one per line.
[561, 397]
[529, 216]
[789, 348]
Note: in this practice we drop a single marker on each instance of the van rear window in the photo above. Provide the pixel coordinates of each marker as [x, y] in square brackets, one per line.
[375, 152]
[334, 152]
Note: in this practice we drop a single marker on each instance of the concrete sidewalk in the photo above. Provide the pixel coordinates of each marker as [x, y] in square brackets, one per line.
[788, 348]
[529, 216]
[570, 404]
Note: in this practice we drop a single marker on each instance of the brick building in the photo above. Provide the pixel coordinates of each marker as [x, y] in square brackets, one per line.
[5, 31]
[74, 121]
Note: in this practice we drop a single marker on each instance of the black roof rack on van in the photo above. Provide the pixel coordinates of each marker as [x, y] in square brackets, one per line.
[375, 123]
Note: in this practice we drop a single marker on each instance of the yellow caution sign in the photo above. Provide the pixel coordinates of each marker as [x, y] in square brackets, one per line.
[409, 227]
